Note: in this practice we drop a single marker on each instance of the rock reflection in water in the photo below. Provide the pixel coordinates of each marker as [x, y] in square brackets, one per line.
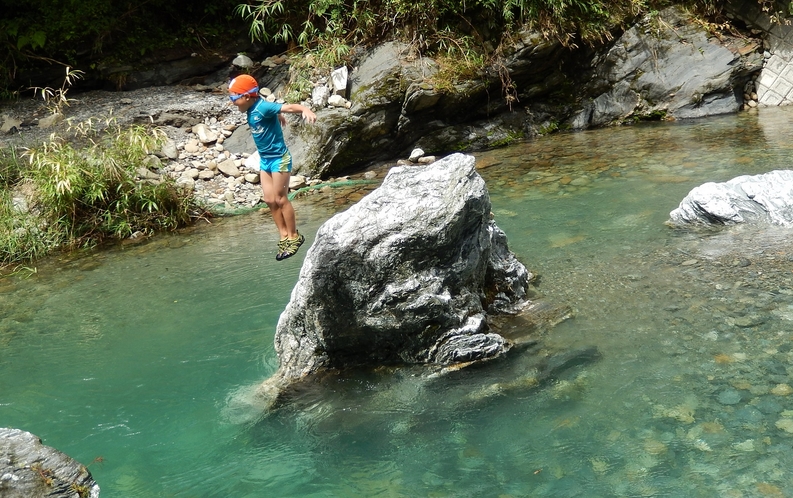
[405, 401]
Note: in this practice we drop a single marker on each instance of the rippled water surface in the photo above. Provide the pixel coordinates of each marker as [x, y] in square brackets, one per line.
[128, 360]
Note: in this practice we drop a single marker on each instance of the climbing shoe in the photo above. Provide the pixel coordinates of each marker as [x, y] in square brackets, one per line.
[281, 248]
[291, 247]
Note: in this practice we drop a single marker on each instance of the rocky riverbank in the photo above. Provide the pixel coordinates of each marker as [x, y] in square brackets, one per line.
[666, 66]
[202, 152]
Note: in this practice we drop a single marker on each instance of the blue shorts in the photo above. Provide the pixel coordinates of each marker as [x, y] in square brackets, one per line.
[281, 164]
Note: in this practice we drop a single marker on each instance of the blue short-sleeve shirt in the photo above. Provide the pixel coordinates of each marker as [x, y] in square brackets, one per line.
[266, 130]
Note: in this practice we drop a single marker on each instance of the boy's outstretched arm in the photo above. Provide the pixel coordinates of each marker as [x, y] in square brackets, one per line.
[307, 114]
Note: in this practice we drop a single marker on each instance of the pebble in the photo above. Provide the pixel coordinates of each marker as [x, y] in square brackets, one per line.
[767, 405]
[580, 182]
[786, 424]
[748, 321]
[749, 415]
[782, 390]
[747, 445]
[729, 397]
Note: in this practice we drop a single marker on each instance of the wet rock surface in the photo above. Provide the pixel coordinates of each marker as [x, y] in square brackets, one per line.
[29, 469]
[758, 199]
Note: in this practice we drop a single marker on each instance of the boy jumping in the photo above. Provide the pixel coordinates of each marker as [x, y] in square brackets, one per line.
[265, 120]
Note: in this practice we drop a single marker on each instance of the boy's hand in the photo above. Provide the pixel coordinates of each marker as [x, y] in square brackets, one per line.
[306, 113]
[309, 116]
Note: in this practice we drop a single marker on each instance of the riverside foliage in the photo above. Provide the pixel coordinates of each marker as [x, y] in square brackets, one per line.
[430, 22]
[82, 191]
[466, 38]
[91, 35]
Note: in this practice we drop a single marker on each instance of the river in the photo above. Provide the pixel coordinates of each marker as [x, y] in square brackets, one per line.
[130, 359]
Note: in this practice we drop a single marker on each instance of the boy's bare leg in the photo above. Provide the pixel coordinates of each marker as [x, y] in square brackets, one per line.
[268, 194]
[275, 187]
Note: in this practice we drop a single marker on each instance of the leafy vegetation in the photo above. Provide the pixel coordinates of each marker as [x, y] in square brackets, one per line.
[81, 195]
[92, 193]
[87, 34]
[81, 188]
[90, 34]
[328, 53]
[56, 99]
[467, 38]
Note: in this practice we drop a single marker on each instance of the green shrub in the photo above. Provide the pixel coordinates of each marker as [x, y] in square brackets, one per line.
[465, 37]
[91, 33]
[90, 193]
[10, 166]
[21, 235]
[327, 54]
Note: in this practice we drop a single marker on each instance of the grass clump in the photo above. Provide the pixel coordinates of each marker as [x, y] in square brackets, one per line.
[21, 235]
[85, 190]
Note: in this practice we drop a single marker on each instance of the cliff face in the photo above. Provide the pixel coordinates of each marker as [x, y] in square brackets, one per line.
[664, 67]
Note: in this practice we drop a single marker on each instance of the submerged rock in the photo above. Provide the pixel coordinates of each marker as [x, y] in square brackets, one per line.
[406, 276]
[766, 198]
[29, 469]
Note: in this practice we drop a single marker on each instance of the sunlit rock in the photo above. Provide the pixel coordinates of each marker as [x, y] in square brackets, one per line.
[408, 275]
[665, 66]
[242, 61]
[51, 120]
[339, 80]
[319, 96]
[785, 424]
[204, 133]
[9, 123]
[766, 198]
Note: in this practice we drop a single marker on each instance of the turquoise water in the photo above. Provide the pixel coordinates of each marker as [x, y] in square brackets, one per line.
[130, 360]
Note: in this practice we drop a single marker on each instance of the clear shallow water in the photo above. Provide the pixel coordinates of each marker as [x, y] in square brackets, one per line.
[131, 356]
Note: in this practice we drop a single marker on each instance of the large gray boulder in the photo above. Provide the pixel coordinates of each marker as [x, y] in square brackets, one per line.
[29, 469]
[405, 276]
[758, 199]
[386, 80]
[666, 66]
